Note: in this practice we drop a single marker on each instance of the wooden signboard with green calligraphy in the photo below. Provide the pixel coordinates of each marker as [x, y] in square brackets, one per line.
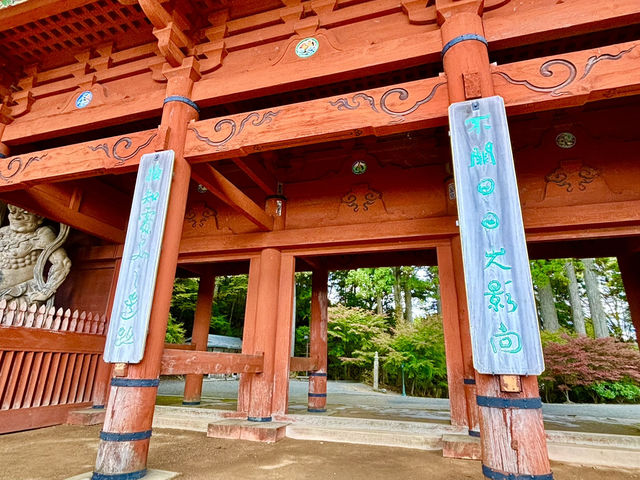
[137, 279]
[502, 313]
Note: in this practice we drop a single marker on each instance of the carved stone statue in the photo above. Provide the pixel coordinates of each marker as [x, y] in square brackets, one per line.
[25, 249]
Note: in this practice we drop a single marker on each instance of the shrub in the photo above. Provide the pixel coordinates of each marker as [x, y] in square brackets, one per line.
[583, 363]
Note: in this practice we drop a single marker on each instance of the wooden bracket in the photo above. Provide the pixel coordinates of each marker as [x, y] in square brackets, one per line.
[472, 88]
[418, 12]
[510, 384]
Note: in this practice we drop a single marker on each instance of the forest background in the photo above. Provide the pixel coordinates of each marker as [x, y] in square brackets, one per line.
[588, 339]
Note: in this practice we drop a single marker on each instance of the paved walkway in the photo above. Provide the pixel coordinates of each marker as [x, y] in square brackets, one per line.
[351, 399]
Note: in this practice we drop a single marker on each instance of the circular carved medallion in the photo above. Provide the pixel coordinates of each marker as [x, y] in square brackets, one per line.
[84, 99]
[566, 140]
[307, 47]
[359, 167]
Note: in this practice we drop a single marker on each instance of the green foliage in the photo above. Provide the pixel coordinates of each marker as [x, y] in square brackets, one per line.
[617, 391]
[183, 301]
[175, 331]
[302, 341]
[356, 334]
[351, 334]
[303, 298]
[562, 336]
[419, 348]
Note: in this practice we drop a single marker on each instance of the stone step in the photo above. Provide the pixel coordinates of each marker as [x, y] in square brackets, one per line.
[614, 451]
[365, 437]
[268, 432]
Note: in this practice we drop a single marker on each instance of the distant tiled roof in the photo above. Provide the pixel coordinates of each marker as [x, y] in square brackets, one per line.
[223, 341]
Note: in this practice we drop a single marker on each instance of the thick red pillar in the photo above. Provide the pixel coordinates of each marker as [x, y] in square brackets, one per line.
[630, 270]
[124, 441]
[512, 438]
[268, 331]
[318, 340]
[200, 336]
[452, 337]
[469, 380]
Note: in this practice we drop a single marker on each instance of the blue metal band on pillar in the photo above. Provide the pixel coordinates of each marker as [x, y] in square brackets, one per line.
[119, 476]
[134, 382]
[521, 403]
[469, 381]
[318, 395]
[98, 407]
[190, 403]
[178, 98]
[316, 410]
[317, 374]
[259, 419]
[125, 437]
[474, 433]
[2, 155]
[496, 475]
[463, 38]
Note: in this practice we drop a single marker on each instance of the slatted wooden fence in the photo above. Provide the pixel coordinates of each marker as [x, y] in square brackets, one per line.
[48, 363]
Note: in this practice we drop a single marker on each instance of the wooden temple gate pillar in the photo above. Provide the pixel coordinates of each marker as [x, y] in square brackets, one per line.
[629, 264]
[460, 372]
[512, 439]
[318, 340]
[267, 327]
[200, 336]
[124, 441]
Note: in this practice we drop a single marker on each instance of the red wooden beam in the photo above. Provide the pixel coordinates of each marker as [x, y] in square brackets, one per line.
[46, 202]
[181, 362]
[37, 340]
[260, 175]
[303, 364]
[226, 191]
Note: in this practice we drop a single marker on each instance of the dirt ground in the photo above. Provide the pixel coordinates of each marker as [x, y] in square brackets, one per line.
[57, 453]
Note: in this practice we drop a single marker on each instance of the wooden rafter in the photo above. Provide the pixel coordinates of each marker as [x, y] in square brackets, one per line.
[260, 175]
[222, 188]
[71, 207]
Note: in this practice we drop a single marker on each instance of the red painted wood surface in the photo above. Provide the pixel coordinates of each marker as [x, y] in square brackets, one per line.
[303, 364]
[184, 362]
[629, 263]
[452, 338]
[318, 337]
[200, 334]
[48, 358]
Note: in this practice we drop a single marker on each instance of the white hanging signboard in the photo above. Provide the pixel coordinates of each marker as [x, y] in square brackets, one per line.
[137, 279]
[502, 313]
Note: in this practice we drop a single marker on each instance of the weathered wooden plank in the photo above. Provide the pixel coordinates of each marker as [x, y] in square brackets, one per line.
[37, 417]
[129, 323]
[569, 79]
[179, 346]
[37, 340]
[114, 154]
[303, 364]
[502, 309]
[180, 362]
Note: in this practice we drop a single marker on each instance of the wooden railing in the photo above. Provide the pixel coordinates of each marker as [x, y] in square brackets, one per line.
[48, 363]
